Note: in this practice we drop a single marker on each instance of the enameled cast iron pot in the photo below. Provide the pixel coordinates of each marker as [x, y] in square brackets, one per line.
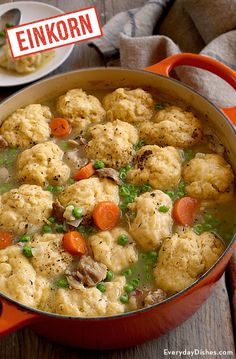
[144, 324]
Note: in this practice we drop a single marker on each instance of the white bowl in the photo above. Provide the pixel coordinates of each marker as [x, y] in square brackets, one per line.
[31, 11]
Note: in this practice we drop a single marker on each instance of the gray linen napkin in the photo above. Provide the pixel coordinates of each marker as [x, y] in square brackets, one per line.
[200, 26]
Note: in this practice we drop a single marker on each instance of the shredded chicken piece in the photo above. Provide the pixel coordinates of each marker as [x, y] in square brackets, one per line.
[4, 175]
[3, 142]
[109, 173]
[154, 297]
[89, 272]
[74, 159]
[58, 211]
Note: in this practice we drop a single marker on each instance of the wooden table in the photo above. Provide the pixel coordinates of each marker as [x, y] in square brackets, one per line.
[210, 328]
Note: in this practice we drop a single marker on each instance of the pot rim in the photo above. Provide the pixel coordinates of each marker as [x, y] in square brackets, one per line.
[167, 300]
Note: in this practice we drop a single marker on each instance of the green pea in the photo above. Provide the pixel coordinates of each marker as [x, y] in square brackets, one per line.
[60, 228]
[46, 228]
[77, 212]
[9, 163]
[58, 188]
[50, 188]
[143, 256]
[62, 283]
[5, 188]
[98, 165]
[163, 209]
[12, 151]
[122, 240]
[152, 255]
[109, 275]
[146, 188]
[52, 219]
[209, 218]
[70, 181]
[64, 145]
[127, 272]
[159, 106]
[101, 287]
[27, 251]
[24, 238]
[135, 282]
[139, 144]
[128, 288]
[171, 194]
[124, 298]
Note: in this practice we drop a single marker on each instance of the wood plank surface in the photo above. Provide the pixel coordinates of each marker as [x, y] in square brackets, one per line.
[210, 328]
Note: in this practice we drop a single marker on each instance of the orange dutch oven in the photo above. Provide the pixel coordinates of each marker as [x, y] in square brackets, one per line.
[131, 328]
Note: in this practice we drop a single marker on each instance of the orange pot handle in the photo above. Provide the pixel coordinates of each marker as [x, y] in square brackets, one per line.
[12, 318]
[203, 62]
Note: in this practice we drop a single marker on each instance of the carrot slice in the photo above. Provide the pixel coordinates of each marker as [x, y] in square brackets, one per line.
[74, 243]
[5, 239]
[106, 215]
[85, 172]
[185, 210]
[60, 127]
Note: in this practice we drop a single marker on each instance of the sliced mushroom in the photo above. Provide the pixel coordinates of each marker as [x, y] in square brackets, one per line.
[3, 142]
[75, 161]
[58, 211]
[89, 272]
[109, 173]
[4, 175]
[154, 297]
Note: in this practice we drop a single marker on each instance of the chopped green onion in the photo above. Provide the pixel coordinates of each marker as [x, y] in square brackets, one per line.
[127, 272]
[64, 145]
[124, 298]
[122, 240]
[163, 209]
[124, 191]
[46, 228]
[2, 34]
[198, 229]
[52, 219]
[77, 212]
[188, 155]
[135, 282]
[62, 283]
[209, 218]
[146, 188]
[98, 165]
[128, 288]
[122, 174]
[27, 251]
[159, 106]
[60, 228]
[109, 275]
[139, 144]
[8, 25]
[24, 238]
[101, 287]
[128, 168]
[9, 163]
